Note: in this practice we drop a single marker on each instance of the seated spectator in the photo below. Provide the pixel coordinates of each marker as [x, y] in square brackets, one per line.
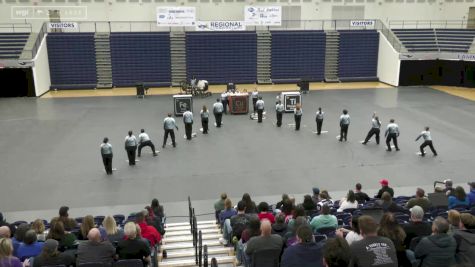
[68, 223]
[6, 254]
[65, 240]
[290, 238]
[465, 238]
[266, 240]
[219, 205]
[113, 234]
[459, 198]
[351, 235]
[360, 196]
[39, 226]
[30, 247]
[324, 220]
[348, 202]
[287, 209]
[316, 195]
[148, 232]
[253, 229]
[227, 212]
[387, 204]
[281, 202]
[157, 209]
[86, 226]
[336, 253]
[306, 253]
[5, 232]
[237, 223]
[250, 205]
[372, 247]
[299, 211]
[389, 227]
[3, 222]
[325, 198]
[453, 217]
[384, 188]
[133, 247]
[50, 256]
[308, 205]
[264, 212]
[420, 200]
[19, 236]
[449, 190]
[416, 227]
[471, 194]
[95, 250]
[438, 249]
[279, 227]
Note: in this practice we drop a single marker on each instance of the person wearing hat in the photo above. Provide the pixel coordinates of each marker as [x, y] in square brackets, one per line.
[416, 226]
[218, 112]
[384, 188]
[51, 256]
[427, 142]
[106, 153]
[471, 194]
[260, 109]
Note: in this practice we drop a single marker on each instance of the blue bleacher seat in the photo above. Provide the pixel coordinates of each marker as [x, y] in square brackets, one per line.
[12, 44]
[436, 40]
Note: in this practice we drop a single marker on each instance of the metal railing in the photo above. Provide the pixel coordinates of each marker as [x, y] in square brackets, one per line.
[429, 24]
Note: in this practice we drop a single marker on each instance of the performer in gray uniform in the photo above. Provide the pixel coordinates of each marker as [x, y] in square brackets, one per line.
[260, 109]
[169, 125]
[144, 140]
[344, 124]
[218, 112]
[375, 129]
[106, 152]
[298, 116]
[427, 142]
[188, 121]
[319, 120]
[392, 132]
[224, 101]
[279, 110]
[131, 147]
[204, 119]
[254, 96]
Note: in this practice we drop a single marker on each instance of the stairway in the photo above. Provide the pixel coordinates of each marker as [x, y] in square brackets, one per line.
[178, 242]
[264, 44]
[178, 57]
[103, 60]
[331, 56]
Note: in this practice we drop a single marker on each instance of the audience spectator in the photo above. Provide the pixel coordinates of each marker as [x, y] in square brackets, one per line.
[95, 250]
[19, 236]
[290, 238]
[306, 253]
[420, 200]
[253, 229]
[325, 198]
[389, 227]
[250, 205]
[68, 223]
[348, 202]
[372, 247]
[438, 249]
[308, 204]
[240, 221]
[266, 241]
[316, 195]
[133, 247]
[6, 254]
[416, 227]
[50, 256]
[39, 226]
[264, 213]
[387, 204]
[219, 205]
[86, 225]
[148, 232]
[3, 221]
[353, 234]
[384, 188]
[453, 217]
[279, 204]
[153, 220]
[65, 240]
[324, 220]
[299, 211]
[360, 196]
[459, 198]
[471, 194]
[465, 238]
[5, 232]
[30, 247]
[227, 212]
[287, 209]
[336, 253]
[279, 227]
[113, 234]
[157, 209]
[449, 190]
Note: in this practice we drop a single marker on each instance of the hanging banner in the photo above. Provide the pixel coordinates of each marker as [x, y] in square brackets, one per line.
[263, 15]
[62, 25]
[176, 16]
[362, 23]
[220, 26]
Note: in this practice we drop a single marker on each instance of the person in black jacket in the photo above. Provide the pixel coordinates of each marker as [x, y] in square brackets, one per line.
[384, 188]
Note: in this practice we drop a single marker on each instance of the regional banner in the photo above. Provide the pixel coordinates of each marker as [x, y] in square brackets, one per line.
[220, 25]
[176, 16]
[263, 15]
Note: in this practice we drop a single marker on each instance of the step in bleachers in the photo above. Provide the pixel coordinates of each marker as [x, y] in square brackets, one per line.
[222, 57]
[358, 55]
[436, 40]
[72, 60]
[297, 55]
[12, 44]
[140, 57]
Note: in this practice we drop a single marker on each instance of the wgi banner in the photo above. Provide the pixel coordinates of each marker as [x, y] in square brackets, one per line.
[362, 23]
[220, 26]
[263, 15]
[62, 25]
[176, 16]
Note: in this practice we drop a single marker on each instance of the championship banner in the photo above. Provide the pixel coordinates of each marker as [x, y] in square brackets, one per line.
[263, 15]
[362, 23]
[176, 16]
[220, 26]
[181, 103]
[62, 25]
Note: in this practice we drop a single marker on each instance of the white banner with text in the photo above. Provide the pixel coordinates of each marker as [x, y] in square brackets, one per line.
[220, 26]
[263, 15]
[176, 16]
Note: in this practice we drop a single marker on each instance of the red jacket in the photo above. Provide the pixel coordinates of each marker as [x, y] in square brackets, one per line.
[150, 233]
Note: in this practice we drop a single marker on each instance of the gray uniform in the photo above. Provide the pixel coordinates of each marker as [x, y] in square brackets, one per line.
[106, 153]
[260, 109]
[344, 124]
[169, 125]
[427, 142]
[279, 110]
[392, 132]
[188, 120]
[131, 147]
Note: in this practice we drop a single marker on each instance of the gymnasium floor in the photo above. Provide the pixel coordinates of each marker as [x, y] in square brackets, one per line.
[51, 153]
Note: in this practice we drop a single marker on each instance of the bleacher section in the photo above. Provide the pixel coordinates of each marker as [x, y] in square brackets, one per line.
[436, 40]
[358, 55]
[12, 44]
[222, 57]
[296, 55]
[72, 60]
[140, 57]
